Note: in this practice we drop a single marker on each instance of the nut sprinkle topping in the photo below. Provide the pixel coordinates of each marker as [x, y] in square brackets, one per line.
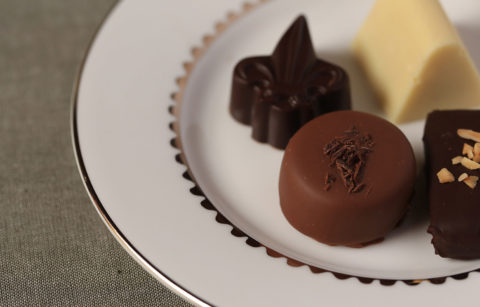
[470, 160]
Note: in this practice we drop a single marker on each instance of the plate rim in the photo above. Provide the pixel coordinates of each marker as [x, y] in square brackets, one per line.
[166, 280]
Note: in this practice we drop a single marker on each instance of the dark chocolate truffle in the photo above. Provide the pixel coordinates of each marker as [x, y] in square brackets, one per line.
[347, 178]
[454, 207]
[278, 94]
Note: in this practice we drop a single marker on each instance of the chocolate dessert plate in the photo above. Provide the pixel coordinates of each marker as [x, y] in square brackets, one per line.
[154, 91]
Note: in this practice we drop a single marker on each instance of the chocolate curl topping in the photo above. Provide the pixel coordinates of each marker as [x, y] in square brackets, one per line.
[329, 179]
[294, 53]
[348, 154]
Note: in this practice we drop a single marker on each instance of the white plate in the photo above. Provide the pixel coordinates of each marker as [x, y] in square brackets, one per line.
[123, 147]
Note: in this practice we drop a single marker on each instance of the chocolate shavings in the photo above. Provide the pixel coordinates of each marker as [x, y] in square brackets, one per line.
[348, 154]
[329, 179]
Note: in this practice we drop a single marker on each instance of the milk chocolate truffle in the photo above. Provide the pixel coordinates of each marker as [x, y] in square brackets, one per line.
[278, 94]
[346, 178]
[454, 206]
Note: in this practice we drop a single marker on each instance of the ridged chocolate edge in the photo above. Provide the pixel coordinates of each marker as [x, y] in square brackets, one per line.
[175, 142]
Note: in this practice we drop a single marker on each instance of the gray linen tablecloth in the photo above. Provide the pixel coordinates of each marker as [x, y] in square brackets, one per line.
[54, 248]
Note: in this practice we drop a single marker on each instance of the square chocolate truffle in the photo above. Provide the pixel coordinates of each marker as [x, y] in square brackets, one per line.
[455, 203]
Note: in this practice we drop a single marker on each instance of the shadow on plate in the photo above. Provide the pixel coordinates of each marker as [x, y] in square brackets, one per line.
[363, 97]
[470, 37]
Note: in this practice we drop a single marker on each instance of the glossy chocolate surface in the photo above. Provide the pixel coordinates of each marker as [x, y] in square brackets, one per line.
[335, 216]
[278, 94]
[454, 207]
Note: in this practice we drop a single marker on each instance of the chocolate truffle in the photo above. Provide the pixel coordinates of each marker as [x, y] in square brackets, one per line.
[454, 206]
[347, 178]
[278, 94]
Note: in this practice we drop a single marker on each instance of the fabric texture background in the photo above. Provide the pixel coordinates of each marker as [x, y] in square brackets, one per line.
[54, 248]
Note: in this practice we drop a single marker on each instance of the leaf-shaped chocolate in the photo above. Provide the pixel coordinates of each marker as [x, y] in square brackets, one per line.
[278, 94]
[294, 53]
